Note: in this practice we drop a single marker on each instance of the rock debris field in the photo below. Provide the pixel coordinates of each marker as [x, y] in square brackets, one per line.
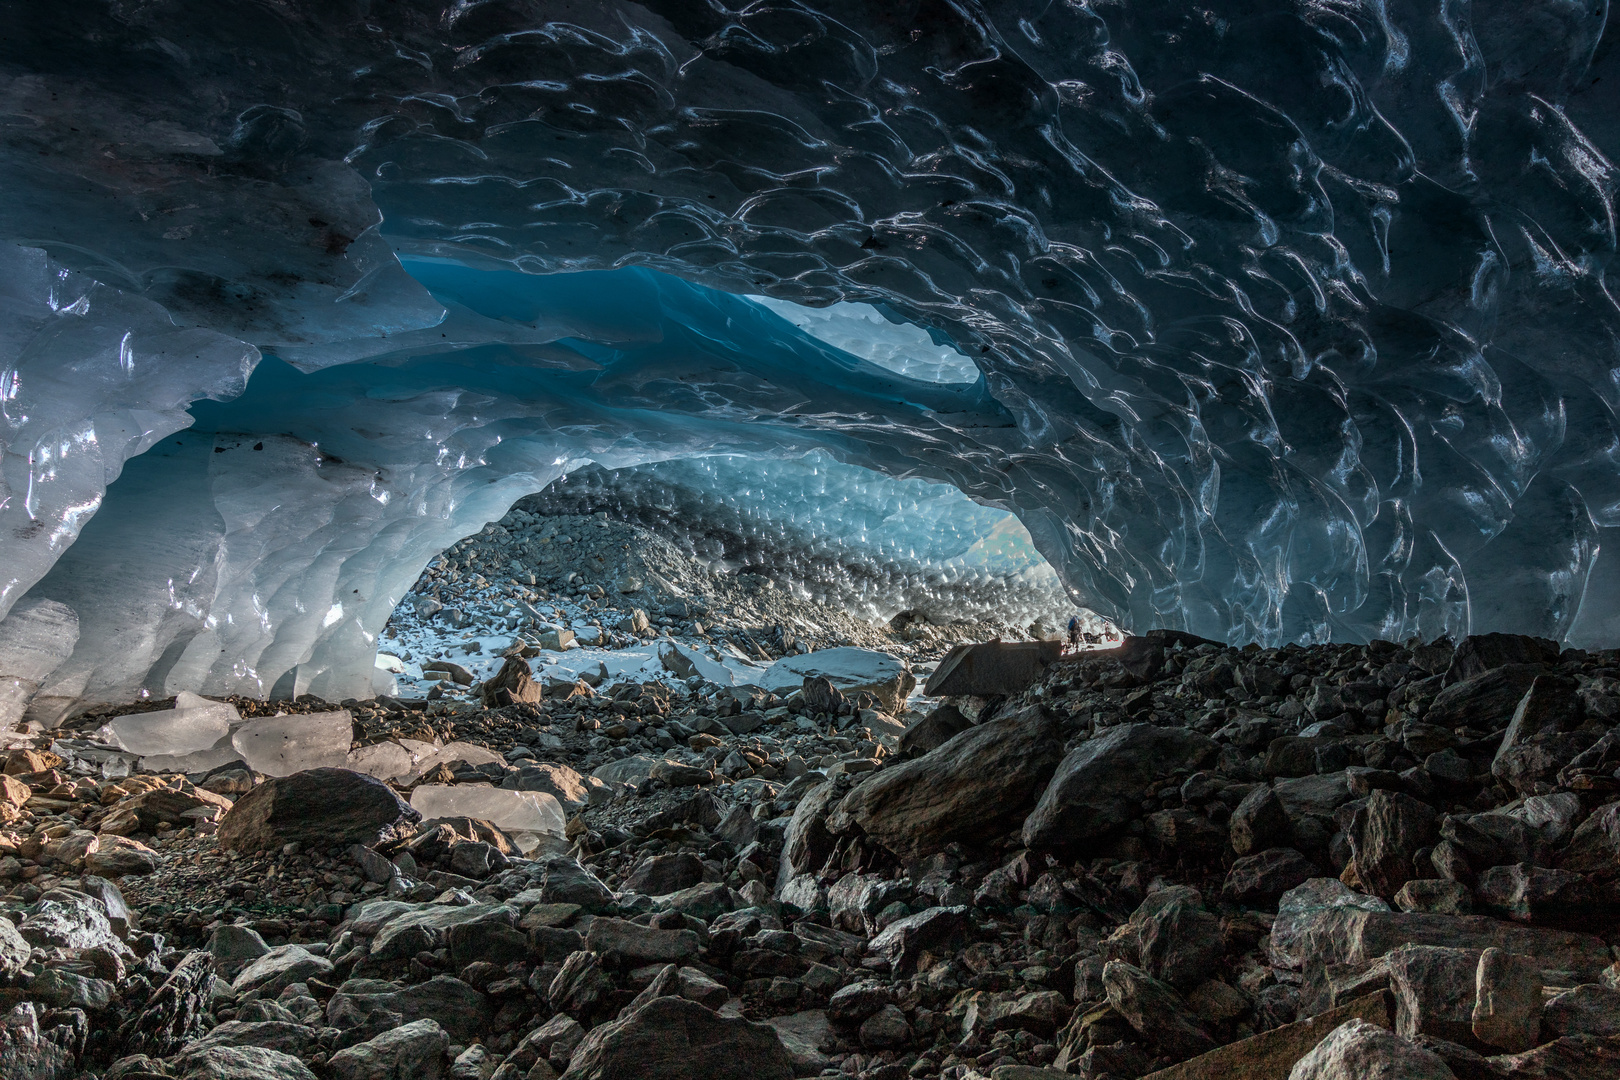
[1172, 859]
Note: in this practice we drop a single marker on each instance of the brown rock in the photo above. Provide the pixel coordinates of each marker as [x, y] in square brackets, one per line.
[1507, 1003]
[1486, 700]
[1595, 847]
[986, 668]
[1157, 1012]
[514, 683]
[1573, 1057]
[1435, 990]
[329, 807]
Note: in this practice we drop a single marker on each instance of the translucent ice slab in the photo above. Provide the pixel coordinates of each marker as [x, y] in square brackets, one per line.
[283, 745]
[524, 814]
[194, 724]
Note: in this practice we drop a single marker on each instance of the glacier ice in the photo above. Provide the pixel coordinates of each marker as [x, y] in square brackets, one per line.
[526, 815]
[194, 724]
[1286, 321]
[34, 640]
[286, 744]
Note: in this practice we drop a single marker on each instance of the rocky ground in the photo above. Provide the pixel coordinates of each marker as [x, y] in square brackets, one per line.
[1174, 858]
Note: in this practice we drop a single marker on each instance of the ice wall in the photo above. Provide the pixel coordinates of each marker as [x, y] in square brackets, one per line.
[262, 550]
[1292, 320]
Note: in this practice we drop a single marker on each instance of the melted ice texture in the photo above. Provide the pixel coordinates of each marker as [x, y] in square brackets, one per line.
[1287, 321]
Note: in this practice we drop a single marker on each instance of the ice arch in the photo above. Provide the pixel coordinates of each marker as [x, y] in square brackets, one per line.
[1292, 321]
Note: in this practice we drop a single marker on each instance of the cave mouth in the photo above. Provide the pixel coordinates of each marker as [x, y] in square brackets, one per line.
[744, 559]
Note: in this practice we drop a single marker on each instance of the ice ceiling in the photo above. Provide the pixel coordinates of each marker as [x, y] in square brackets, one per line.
[1290, 320]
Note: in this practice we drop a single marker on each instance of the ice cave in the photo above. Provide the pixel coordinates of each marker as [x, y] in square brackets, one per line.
[353, 351]
[1270, 326]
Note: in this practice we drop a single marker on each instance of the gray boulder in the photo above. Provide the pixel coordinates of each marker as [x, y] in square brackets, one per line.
[419, 1050]
[1098, 786]
[1361, 1051]
[240, 1063]
[675, 1039]
[974, 788]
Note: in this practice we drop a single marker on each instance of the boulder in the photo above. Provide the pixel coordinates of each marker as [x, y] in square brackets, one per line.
[234, 948]
[1318, 935]
[934, 932]
[117, 856]
[1384, 834]
[1479, 653]
[1527, 893]
[419, 1050]
[1507, 1001]
[1435, 990]
[1437, 896]
[1590, 1009]
[933, 731]
[1357, 1050]
[512, 684]
[1271, 1054]
[1573, 1057]
[850, 670]
[629, 944]
[659, 875]
[367, 1010]
[1173, 938]
[15, 950]
[320, 807]
[582, 989]
[1595, 847]
[1099, 785]
[1157, 1012]
[973, 789]
[675, 1039]
[27, 1053]
[288, 1037]
[987, 668]
[1258, 822]
[239, 1063]
[66, 919]
[1264, 877]
[562, 880]
[176, 1013]
[429, 927]
[807, 843]
[1486, 700]
[278, 969]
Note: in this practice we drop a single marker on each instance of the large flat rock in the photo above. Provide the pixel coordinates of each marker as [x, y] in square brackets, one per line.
[974, 788]
[992, 667]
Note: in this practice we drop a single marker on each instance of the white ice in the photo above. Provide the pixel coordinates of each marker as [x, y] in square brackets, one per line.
[526, 815]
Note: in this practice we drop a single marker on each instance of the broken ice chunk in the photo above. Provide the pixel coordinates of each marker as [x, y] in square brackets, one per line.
[283, 745]
[523, 814]
[193, 724]
[384, 760]
[471, 753]
[221, 753]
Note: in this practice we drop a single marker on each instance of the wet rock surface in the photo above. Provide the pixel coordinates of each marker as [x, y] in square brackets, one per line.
[1180, 859]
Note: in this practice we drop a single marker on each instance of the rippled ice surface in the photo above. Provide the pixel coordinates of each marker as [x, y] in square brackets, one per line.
[1288, 321]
